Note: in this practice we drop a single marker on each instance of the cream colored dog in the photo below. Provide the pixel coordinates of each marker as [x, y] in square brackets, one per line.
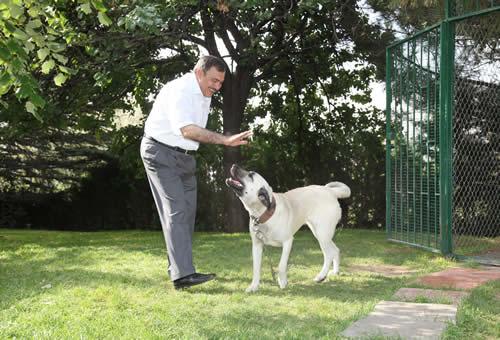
[276, 217]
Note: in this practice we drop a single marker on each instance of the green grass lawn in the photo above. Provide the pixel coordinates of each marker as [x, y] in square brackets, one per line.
[114, 285]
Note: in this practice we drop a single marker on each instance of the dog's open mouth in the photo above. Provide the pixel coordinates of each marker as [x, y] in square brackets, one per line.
[235, 184]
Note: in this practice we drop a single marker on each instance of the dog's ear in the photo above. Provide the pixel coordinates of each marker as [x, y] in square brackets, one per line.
[263, 196]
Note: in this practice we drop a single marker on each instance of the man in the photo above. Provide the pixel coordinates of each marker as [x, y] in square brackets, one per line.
[172, 133]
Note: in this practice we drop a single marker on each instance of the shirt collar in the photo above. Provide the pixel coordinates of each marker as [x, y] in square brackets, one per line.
[195, 87]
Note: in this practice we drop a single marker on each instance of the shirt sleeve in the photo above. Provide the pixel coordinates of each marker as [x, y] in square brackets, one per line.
[182, 111]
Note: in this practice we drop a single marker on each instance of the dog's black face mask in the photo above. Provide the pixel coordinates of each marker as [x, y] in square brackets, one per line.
[263, 196]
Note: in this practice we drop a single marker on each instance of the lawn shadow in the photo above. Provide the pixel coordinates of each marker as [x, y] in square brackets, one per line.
[131, 240]
[338, 289]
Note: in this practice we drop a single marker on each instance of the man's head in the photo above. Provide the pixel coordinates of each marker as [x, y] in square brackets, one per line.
[210, 72]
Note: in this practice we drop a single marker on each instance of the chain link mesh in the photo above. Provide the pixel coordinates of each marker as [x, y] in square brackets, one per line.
[414, 141]
[461, 7]
[476, 136]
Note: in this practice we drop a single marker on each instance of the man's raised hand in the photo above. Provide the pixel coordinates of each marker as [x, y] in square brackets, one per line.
[239, 139]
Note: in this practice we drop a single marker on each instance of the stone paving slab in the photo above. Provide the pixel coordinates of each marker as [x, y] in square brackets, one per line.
[432, 295]
[460, 278]
[404, 319]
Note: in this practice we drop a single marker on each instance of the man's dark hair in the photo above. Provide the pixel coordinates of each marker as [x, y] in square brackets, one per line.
[206, 62]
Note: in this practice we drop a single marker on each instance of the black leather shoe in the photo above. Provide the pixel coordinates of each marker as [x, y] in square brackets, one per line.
[192, 280]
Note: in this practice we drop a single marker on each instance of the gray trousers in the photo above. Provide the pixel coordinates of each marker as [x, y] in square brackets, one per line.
[171, 175]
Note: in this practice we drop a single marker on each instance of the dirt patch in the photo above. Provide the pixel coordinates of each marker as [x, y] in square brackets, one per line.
[381, 269]
[402, 250]
[460, 278]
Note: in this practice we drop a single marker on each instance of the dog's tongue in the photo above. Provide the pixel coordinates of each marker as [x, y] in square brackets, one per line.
[234, 182]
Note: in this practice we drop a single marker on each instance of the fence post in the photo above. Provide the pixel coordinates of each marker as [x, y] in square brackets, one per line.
[447, 54]
[388, 161]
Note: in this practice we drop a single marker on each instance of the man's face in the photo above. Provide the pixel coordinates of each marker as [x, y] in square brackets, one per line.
[210, 82]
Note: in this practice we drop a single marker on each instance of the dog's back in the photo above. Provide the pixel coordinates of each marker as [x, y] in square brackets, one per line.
[314, 202]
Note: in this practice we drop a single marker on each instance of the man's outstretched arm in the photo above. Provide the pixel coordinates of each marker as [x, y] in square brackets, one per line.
[202, 135]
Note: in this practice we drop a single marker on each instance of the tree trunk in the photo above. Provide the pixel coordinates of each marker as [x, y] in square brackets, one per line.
[235, 95]
[235, 216]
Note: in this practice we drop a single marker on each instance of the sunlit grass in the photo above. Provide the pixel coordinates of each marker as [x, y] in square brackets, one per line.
[114, 285]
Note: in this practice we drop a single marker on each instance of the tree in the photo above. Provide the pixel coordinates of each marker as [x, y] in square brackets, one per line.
[34, 38]
[300, 46]
[273, 41]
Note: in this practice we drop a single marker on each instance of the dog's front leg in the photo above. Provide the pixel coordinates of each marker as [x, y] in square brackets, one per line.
[282, 277]
[257, 247]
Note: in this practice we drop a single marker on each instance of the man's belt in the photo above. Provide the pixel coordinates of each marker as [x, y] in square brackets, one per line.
[175, 148]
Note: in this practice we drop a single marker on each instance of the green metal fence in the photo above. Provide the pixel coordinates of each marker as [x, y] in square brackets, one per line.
[443, 134]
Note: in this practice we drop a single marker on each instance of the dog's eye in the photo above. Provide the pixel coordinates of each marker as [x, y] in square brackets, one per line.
[250, 174]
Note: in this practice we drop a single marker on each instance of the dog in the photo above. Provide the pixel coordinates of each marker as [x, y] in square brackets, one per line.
[276, 217]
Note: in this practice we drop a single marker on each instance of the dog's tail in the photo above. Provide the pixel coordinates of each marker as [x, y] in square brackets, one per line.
[340, 189]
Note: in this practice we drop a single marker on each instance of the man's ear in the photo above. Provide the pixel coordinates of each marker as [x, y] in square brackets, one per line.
[198, 72]
[264, 198]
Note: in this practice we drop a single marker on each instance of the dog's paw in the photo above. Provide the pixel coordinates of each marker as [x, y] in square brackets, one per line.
[319, 279]
[252, 289]
[283, 283]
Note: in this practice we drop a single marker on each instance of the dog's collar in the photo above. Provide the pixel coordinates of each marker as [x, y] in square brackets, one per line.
[267, 214]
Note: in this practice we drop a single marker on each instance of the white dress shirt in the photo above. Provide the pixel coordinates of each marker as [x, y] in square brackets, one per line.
[179, 103]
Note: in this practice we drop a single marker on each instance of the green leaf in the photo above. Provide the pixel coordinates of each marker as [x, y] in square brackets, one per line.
[4, 89]
[18, 34]
[34, 24]
[85, 8]
[15, 47]
[60, 79]
[4, 53]
[29, 46]
[56, 47]
[34, 11]
[10, 27]
[43, 53]
[15, 10]
[25, 90]
[48, 65]
[5, 78]
[104, 19]
[92, 51]
[66, 70]
[39, 40]
[99, 5]
[60, 58]
[37, 100]
[17, 65]
[5, 83]
[37, 116]
[30, 107]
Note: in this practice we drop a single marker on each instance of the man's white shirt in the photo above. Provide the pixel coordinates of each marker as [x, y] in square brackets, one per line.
[179, 103]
